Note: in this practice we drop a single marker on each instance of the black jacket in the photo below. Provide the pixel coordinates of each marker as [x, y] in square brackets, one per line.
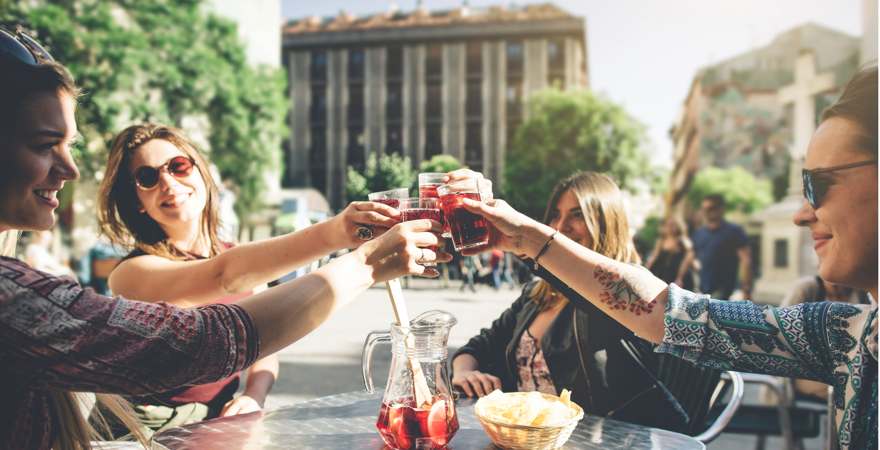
[585, 353]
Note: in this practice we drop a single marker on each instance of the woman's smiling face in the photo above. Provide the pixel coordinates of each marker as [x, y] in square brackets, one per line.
[35, 162]
[175, 201]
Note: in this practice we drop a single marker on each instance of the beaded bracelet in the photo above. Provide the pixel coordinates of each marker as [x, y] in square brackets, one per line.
[544, 248]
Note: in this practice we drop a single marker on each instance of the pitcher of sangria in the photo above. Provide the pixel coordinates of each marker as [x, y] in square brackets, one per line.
[408, 420]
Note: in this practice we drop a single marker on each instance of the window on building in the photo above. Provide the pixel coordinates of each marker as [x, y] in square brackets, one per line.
[318, 158]
[319, 65]
[556, 63]
[474, 99]
[394, 138]
[356, 103]
[356, 156]
[473, 146]
[434, 61]
[394, 62]
[394, 101]
[356, 63]
[515, 58]
[434, 101]
[780, 253]
[474, 59]
[318, 113]
[433, 139]
[514, 98]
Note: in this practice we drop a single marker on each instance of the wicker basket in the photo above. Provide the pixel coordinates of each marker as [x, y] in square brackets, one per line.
[525, 437]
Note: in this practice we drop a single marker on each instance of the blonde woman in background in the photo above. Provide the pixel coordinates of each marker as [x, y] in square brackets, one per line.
[552, 339]
[673, 257]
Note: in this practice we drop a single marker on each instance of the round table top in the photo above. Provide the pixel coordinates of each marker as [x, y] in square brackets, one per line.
[348, 421]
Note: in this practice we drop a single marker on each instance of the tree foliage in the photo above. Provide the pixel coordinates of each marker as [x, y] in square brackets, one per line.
[569, 131]
[388, 171]
[440, 163]
[741, 190]
[165, 61]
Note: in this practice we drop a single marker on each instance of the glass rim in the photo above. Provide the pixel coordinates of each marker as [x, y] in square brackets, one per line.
[390, 193]
[431, 177]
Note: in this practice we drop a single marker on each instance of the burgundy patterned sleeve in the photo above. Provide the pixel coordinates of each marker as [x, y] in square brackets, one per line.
[54, 333]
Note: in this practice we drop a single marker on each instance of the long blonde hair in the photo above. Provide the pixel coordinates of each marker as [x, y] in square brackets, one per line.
[602, 207]
[18, 83]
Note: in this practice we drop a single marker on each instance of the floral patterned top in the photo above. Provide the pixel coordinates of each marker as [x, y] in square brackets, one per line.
[534, 375]
[55, 335]
[835, 343]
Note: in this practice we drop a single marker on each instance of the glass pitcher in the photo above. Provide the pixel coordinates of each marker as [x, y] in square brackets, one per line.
[418, 353]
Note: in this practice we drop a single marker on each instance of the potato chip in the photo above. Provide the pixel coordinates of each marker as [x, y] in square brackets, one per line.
[527, 408]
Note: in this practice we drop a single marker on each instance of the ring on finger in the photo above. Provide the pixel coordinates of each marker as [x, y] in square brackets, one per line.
[364, 232]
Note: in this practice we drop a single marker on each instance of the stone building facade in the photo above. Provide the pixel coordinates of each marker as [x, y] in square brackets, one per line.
[420, 84]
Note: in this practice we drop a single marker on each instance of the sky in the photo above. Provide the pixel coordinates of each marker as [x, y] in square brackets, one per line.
[643, 54]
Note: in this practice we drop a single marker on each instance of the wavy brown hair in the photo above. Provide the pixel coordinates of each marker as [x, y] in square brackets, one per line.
[72, 430]
[602, 206]
[119, 208]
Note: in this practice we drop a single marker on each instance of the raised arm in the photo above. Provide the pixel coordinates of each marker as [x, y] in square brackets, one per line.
[55, 333]
[630, 294]
[244, 267]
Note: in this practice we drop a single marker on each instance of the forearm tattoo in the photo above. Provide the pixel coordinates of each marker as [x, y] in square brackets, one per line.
[619, 294]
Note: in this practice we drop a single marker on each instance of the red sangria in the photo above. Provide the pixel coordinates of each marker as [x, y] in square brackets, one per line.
[421, 208]
[404, 426]
[391, 198]
[468, 230]
[428, 184]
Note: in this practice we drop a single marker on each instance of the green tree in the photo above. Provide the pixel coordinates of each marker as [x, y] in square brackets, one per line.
[741, 190]
[388, 171]
[165, 61]
[440, 163]
[569, 131]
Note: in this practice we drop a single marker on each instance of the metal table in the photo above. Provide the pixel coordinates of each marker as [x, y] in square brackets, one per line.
[348, 421]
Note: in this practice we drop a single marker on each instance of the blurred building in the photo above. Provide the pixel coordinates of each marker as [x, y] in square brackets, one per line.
[734, 114]
[420, 83]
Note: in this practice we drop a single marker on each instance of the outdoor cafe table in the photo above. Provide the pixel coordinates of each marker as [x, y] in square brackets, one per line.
[348, 421]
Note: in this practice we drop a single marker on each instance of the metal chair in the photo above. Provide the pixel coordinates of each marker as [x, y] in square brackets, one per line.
[729, 410]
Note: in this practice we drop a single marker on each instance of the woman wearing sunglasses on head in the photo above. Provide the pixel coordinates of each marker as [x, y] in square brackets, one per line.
[57, 338]
[834, 343]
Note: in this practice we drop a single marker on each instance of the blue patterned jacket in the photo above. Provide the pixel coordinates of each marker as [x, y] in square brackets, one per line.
[830, 342]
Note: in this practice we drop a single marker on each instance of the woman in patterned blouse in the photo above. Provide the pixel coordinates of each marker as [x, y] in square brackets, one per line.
[834, 343]
[57, 338]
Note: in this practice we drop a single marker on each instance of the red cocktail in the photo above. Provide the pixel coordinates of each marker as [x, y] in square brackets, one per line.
[391, 197]
[421, 208]
[468, 229]
[404, 426]
[428, 184]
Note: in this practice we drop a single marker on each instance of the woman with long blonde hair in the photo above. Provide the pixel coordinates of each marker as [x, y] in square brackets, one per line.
[57, 339]
[672, 259]
[551, 339]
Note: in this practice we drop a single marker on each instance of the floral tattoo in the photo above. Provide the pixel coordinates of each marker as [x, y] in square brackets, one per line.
[619, 294]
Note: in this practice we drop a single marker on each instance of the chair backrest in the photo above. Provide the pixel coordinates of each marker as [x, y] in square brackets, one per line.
[696, 388]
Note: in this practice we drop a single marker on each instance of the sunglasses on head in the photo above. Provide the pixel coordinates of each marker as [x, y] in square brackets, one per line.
[815, 187]
[147, 177]
[17, 45]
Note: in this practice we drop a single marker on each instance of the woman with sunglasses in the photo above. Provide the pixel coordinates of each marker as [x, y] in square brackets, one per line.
[158, 196]
[834, 343]
[57, 338]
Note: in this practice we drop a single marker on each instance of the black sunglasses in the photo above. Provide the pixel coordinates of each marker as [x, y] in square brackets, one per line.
[147, 177]
[815, 187]
[15, 44]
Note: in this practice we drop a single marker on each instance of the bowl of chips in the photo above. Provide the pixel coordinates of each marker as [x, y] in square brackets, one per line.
[528, 420]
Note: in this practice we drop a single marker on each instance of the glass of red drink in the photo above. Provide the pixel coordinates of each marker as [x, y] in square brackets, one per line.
[428, 184]
[391, 197]
[468, 230]
[420, 208]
